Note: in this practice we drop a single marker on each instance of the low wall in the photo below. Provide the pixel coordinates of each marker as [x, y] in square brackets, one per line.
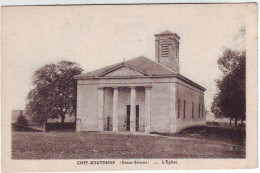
[215, 123]
[183, 124]
[57, 126]
[17, 127]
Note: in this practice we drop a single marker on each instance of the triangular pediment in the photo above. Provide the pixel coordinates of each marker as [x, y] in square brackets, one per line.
[123, 71]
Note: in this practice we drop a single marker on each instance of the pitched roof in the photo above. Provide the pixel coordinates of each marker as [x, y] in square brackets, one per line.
[167, 32]
[142, 64]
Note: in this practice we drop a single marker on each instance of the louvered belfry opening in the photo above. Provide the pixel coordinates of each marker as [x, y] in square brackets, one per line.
[164, 49]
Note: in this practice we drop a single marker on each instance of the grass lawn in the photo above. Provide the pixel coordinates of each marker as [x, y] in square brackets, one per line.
[94, 145]
[217, 134]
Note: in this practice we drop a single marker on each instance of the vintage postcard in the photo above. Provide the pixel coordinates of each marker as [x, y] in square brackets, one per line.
[129, 87]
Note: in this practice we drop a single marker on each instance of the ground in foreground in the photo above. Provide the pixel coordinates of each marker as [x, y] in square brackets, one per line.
[94, 145]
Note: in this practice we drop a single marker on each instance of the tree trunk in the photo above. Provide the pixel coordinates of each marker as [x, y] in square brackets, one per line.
[230, 121]
[62, 121]
[236, 122]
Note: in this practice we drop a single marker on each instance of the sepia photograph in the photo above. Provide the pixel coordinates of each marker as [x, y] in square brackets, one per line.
[143, 84]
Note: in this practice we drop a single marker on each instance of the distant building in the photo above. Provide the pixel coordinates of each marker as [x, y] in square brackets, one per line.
[141, 95]
[210, 116]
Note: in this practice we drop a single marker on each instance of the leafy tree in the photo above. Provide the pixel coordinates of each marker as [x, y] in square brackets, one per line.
[21, 120]
[54, 92]
[230, 100]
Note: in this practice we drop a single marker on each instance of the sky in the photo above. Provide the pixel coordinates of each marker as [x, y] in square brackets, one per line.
[95, 36]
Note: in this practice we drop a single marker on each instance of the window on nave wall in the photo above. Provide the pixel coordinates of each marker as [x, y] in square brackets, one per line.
[202, 112]
[179, 108]
[192, 111]
[199, 110]
[184, 107]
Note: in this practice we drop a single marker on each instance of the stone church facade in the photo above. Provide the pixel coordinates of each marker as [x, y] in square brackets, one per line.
[141, 95]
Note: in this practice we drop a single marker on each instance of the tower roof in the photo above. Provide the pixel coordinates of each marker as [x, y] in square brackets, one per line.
[167, 32]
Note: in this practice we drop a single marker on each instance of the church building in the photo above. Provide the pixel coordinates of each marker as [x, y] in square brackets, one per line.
[141, 95]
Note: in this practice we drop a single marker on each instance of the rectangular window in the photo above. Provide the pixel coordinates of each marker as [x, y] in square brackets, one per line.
[179, 106]
[184, 109]
[199, 110]
[192, 110]
[202, 111]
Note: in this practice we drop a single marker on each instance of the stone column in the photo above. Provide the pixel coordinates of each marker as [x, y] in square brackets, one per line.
[100, 109]
[133, 110]
[147, 119]
[115, 110]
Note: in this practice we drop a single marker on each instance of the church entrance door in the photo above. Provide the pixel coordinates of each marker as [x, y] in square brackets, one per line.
[137, 118]
[128, 108]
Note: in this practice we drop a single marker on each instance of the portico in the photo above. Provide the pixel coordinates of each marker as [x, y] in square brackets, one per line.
[126, 113]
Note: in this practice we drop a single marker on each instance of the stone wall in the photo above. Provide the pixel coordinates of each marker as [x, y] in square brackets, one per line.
[160, 107]
[87, 107]
[193, 98]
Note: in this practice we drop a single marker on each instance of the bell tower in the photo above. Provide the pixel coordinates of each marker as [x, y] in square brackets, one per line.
[167, 50]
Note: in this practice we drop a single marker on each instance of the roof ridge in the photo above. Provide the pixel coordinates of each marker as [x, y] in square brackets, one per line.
[113, 66]
[141, 64]
[154, 62]
[117, 66]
